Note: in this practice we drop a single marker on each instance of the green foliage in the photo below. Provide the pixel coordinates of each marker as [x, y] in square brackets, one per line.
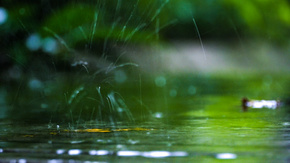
[265, 19]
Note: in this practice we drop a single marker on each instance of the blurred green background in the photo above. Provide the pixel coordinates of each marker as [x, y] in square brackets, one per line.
[61, 59]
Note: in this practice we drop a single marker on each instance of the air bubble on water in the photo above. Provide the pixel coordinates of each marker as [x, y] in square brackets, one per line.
[50, 45]
[3, 15]
[160, 81]
[191, 90]
[158, 115]
[33, 42]
[120, 76]
[173, 93]
[35, 84]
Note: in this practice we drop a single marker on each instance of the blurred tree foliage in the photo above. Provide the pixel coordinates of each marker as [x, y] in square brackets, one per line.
[250, 19]
[91, 24]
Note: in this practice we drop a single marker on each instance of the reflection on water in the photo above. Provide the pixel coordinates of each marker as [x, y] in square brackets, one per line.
[226, 156]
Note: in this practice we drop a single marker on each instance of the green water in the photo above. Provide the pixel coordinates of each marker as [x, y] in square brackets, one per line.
[183, 119]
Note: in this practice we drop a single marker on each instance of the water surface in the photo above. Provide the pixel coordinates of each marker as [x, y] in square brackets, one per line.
[199, 121]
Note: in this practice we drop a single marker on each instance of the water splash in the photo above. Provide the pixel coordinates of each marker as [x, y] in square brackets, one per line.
[94, 28]
[159, 10]
[75, 93]
[58, 38]
[128, 20]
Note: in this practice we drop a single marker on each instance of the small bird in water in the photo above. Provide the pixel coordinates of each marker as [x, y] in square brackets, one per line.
[258, 104]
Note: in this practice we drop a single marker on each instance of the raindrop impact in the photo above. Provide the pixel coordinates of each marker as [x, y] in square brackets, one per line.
[3, 15]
